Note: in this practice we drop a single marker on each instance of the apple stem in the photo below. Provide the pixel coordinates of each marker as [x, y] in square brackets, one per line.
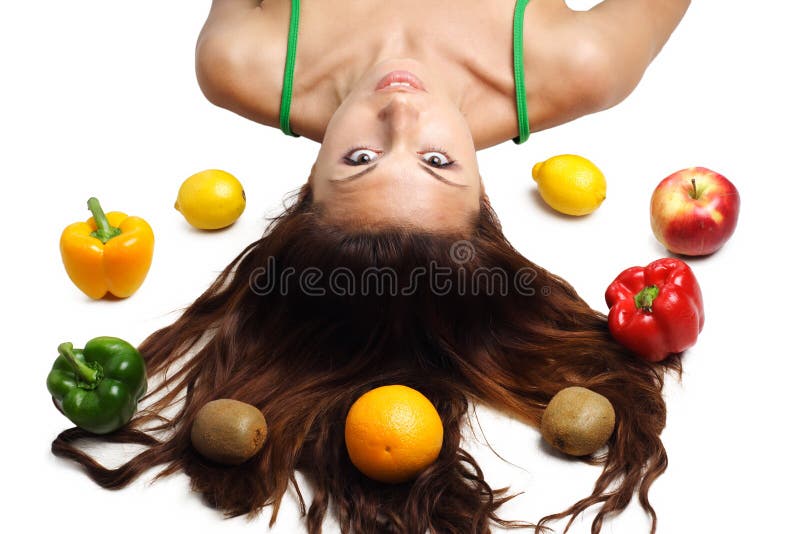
[694, 189]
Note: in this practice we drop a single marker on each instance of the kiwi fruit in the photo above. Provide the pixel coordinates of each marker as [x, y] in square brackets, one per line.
[228, 431]
[578, 421]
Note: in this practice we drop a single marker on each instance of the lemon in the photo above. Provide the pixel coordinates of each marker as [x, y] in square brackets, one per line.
[211, 199]
[570, 184]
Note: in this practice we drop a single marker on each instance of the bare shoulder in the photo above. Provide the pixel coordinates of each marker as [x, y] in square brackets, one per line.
[566, 68]
[240, 56]
[580, 62]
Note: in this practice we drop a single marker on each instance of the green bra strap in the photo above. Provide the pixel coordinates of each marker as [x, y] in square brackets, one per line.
[288, 70]
[519, 73]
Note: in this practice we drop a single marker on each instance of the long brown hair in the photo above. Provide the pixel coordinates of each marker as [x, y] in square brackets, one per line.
[313, 315]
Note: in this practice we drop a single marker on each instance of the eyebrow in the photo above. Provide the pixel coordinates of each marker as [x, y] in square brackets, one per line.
[439, 176]
[356, 175]
[375, 165]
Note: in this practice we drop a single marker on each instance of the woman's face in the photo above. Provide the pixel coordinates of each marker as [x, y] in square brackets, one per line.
[398, 151]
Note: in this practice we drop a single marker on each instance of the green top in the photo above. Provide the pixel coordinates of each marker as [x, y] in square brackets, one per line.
[288, 71]
[519, 71]
[519, 74]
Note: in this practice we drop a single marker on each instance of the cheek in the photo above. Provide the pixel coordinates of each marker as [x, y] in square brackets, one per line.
[460, 124]
[351, 115]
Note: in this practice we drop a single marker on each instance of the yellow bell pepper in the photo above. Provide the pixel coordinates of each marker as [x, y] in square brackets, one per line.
[109, 253]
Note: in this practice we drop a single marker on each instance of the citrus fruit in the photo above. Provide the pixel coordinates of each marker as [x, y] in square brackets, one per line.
[570, 184]
[392, 433]
[210, 200]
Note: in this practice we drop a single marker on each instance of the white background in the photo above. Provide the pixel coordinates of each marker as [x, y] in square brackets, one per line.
[99, 98]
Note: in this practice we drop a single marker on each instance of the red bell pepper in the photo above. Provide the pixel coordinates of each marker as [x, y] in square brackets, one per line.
[656, 310]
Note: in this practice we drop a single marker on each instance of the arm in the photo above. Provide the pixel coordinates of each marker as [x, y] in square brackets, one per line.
[582, 62]
[232, 8]
[239, 60]
[630, 34]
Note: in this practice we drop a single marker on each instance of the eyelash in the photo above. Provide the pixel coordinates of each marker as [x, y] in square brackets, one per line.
[450, 161]
[352, 149]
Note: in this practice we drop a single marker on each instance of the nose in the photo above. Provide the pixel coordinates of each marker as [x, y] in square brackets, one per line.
[400, 114]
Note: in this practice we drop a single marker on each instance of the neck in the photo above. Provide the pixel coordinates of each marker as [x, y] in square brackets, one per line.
[323, 90]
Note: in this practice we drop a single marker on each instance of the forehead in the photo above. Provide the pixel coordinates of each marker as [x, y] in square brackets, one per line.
[383, 199]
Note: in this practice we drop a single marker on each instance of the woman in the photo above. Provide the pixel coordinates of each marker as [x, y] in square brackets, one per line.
[456, 88]
[391, 267]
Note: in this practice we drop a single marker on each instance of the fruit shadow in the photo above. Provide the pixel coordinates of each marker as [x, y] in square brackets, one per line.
[108, 297]
[543, 206]
[661, 251]
[198, 231]
[548, 450]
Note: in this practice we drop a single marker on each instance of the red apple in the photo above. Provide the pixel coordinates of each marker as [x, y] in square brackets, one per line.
[694, 211]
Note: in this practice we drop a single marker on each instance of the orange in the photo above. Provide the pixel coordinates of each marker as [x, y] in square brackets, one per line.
[392, 433]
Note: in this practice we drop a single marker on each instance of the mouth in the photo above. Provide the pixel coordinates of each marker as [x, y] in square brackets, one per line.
[400, 80]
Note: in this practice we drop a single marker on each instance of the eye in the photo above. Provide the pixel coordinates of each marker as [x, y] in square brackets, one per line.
[360, 156]
[437, 158]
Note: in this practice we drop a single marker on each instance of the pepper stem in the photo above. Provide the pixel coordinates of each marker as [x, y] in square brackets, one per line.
[104, 230]
[89, 375]
[644, 298]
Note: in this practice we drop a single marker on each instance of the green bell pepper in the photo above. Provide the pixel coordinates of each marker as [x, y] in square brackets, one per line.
[98, 387]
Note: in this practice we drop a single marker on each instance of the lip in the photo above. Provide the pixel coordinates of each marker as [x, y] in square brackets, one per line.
[400, 76]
